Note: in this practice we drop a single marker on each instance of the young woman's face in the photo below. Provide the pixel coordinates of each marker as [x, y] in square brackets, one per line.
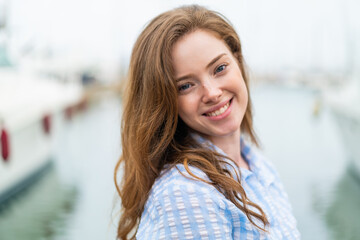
[212, 96]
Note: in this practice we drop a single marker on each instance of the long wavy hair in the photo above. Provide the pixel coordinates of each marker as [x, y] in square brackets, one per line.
[152, 132]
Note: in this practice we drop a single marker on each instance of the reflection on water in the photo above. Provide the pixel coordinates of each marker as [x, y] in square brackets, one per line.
[342, 215]
[39, 212]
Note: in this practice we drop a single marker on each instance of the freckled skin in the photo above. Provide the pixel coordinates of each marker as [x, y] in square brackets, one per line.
[209, 86]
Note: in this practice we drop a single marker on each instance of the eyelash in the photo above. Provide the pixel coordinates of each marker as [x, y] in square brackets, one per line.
[183, 85]
[222, 65]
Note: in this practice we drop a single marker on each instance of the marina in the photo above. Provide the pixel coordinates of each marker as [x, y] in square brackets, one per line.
[61, 83]
[76, 199]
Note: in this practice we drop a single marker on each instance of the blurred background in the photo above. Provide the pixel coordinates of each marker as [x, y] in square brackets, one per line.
[62, 68]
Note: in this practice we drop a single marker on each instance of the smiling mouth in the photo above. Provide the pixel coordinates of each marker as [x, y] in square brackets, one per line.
[219, 111]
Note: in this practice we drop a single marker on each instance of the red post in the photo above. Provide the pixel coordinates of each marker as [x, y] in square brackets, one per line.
[46, 121]
[5, 145]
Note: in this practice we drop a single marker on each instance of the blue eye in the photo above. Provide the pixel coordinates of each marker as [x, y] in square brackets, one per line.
[184, 87]
[220, 68]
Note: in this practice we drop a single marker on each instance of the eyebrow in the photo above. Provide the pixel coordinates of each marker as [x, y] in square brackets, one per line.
[207, 66]
[215, 60]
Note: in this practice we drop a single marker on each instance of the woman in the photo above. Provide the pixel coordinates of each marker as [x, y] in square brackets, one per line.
[188, 171]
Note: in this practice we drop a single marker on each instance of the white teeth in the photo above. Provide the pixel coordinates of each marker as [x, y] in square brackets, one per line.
[220, 111]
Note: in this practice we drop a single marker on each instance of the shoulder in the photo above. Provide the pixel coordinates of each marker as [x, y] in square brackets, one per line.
[176, 184]
[269, 176]
[178, 176]
[261, 166]
[182, 207]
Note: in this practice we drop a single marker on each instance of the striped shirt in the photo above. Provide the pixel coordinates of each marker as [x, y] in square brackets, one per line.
[183, 208]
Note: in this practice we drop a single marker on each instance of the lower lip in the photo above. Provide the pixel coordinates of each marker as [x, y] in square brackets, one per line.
[221, 116]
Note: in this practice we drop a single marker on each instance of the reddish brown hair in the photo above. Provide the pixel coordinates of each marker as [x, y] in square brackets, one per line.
[153, 134]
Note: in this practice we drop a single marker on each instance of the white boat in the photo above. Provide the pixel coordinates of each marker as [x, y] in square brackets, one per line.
[345, 104]
[29, 105]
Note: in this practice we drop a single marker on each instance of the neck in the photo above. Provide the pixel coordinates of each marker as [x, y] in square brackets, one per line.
[230, 144]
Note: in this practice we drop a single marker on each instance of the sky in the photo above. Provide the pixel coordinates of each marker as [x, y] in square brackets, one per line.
[277, 35]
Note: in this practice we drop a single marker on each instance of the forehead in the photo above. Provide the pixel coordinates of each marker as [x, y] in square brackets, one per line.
[196, 49]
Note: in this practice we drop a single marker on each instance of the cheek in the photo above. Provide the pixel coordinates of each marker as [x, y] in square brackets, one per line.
[187, 109]
[241, 91]
[244, 91]
[242, 86]
[184, 108]
[244, 95]
[244, 99]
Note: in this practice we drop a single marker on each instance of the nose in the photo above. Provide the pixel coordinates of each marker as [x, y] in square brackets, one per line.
[211, 92]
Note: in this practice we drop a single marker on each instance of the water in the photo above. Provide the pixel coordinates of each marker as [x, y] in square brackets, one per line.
[40, 212]
[323, 187]
[75, 198]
